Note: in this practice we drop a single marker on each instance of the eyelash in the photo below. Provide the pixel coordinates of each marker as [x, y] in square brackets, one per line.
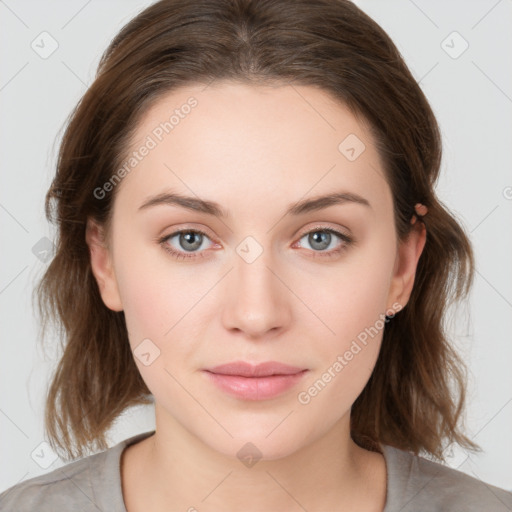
[316, 254]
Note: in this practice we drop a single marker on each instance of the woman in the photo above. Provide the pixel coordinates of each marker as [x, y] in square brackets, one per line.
[249, 237]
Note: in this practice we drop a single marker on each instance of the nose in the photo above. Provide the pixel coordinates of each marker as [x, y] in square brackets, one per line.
[257, 298]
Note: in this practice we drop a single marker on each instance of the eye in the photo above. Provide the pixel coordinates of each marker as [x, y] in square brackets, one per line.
[188, 242]
[321, 238]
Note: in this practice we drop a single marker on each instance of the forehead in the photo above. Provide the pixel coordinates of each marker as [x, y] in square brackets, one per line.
[231, 140]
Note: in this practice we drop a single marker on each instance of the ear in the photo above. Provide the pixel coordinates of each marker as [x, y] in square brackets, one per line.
[101, 265]
[406, 262]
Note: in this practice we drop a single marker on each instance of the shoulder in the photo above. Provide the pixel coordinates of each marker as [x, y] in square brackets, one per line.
[416, 483]
[69, 484]
[87, 484]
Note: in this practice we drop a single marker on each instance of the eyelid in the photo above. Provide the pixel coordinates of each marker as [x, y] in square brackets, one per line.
[320, 227]
[189, 226]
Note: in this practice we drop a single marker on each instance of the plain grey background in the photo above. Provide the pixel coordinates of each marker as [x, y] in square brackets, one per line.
[459, 52]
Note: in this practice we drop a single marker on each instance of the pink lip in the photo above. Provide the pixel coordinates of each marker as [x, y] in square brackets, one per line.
[259, 382]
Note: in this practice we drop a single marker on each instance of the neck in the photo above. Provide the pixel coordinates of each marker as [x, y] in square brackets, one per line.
[180, 472]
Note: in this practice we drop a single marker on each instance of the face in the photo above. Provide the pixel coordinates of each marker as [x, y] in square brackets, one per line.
[308, 288]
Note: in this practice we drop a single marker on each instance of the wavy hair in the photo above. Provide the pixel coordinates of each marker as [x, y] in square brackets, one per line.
[415, 396]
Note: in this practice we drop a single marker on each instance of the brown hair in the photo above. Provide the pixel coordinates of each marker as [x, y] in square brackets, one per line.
[408, 401]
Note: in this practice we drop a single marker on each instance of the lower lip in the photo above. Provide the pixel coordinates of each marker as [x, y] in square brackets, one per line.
[255, 388]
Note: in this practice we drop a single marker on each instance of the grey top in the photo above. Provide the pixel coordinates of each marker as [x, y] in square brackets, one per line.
[414, 483]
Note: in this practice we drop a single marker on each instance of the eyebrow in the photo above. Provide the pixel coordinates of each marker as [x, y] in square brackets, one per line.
[215, 209]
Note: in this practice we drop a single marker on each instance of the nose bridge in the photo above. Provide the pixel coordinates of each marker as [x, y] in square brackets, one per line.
[256, 296]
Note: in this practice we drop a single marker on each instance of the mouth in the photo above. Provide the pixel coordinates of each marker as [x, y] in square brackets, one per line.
[255, 382]
[266, 369]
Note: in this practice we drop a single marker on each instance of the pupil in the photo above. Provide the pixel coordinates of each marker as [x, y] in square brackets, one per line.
[189, 237]
[319, 237]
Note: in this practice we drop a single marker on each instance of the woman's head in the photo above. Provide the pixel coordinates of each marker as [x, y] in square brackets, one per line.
[223, 102]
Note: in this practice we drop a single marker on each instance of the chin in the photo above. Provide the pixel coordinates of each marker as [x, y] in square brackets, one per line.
[257, 446]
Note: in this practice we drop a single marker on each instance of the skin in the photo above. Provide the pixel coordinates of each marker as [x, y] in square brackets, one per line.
[255, 150]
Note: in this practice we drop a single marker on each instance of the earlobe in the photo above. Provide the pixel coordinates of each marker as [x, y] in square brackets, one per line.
[406, 263]
[101, 266]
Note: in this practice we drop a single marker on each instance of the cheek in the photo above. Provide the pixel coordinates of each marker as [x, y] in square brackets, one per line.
[154, 295]
[347, 357]
[351, 306]
[349, 300]
[330, 393]
[146, 309]
[155, 319]
[159, 312]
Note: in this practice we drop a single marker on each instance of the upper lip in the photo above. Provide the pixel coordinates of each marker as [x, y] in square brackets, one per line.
[250, 370]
